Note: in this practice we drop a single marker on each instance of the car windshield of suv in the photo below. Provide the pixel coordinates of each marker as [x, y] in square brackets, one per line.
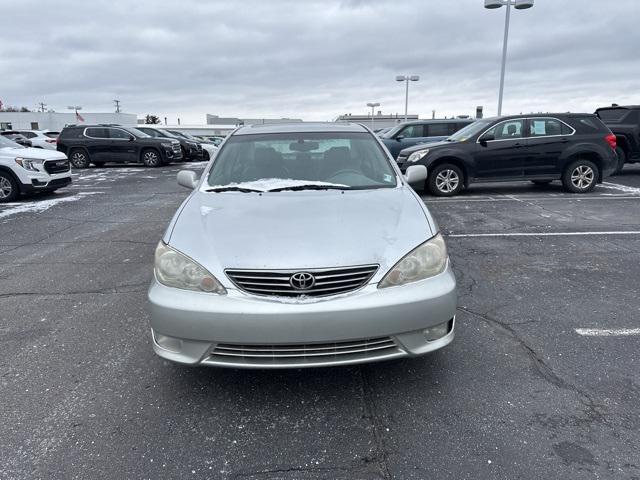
[390, 133]
[178, 134]
[469, 131]
[137, 133]
[6, 143]
[301, 161]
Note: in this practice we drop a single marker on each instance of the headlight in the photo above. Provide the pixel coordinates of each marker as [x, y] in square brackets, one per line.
[175, 269]
[166, 145]
[29, 163]
[427, 260]
[415, 156]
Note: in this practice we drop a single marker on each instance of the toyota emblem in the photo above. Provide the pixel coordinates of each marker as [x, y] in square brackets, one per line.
[302, 281]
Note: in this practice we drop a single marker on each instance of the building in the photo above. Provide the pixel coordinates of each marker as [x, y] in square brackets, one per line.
[57, 121]
[377, 121]
[236, 122]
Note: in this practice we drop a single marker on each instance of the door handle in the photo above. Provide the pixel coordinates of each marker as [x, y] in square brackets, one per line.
[518, 144]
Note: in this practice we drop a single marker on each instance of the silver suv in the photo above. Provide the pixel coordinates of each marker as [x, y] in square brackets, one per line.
[29, 170]
[301, 245]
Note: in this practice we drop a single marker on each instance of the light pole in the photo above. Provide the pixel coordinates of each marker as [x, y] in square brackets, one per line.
[407, 79]
[75, 109]
[372, 105]
[518, 5]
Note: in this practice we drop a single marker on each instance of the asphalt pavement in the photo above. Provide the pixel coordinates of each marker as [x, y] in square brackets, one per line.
[542, 380]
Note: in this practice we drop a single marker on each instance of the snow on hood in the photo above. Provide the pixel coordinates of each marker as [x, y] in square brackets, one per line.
[266, 184]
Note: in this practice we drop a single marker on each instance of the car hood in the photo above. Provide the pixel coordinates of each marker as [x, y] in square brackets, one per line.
[421, 146]
[301, 229]
[38, 153]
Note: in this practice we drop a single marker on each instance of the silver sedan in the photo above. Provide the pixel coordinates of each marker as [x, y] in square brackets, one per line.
[301, 245]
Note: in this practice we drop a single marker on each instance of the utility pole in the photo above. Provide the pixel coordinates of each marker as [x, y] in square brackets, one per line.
[42, 106]
[117, 103]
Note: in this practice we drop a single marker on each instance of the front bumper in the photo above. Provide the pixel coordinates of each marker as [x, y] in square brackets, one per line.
[198, 324]
[31, 182]
[171, 154]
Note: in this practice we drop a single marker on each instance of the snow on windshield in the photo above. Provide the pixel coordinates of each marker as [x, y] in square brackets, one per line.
[266, 184]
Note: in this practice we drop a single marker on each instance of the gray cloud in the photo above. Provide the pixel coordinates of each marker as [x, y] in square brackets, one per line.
[316, 59]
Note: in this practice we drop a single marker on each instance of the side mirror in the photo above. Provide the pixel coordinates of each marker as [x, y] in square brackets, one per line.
[187, 179]
[132, 138]
[488, 137]
[399, 137]
[415, 174]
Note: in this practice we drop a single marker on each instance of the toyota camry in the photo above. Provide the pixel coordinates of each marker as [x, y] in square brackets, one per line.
[301, 245]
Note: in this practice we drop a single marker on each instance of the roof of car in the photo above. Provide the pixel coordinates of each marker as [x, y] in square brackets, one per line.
[539, 115]
[299, 127]
[625, 107]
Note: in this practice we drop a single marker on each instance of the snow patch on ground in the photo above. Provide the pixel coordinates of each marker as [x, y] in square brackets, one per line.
[621, 188]
[39, 206]
[266, 184]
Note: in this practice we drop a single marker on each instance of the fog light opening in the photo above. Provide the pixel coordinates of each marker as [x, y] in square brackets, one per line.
[438, 331]
[168, 343]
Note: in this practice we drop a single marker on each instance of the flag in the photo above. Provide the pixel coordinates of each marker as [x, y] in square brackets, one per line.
[0, 104]
[79, 117]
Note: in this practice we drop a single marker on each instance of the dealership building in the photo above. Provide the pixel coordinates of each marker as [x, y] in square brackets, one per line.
[57, 121]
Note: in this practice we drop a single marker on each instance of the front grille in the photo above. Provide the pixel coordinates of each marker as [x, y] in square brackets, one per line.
[59, 182]
[57, 166]
[279, 283]
[304, 354]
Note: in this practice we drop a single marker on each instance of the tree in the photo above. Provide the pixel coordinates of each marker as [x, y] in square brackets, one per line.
[152, 120]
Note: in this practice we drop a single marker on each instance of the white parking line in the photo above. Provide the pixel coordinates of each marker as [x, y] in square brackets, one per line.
[604, 196]
[542, 234]
[621, 188]
[607, 332]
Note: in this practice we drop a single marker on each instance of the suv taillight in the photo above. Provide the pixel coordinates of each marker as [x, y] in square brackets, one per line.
[611, 140]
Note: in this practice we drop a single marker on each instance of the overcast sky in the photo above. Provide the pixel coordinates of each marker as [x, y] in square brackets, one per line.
[316, 59]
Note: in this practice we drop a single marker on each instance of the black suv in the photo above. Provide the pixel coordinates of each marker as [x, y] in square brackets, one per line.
[190, 150]
[99, 144]
[577, 149]
[624, 122]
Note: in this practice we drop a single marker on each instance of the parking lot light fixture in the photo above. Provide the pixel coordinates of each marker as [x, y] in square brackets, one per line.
[407, 79]
[518, 5]
[372, 105]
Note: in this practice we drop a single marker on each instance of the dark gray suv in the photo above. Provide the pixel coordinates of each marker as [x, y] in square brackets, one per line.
[420, 131]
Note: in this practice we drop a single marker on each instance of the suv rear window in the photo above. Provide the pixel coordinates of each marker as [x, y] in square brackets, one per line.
[589, 125]
[71, 133]
[612, 114]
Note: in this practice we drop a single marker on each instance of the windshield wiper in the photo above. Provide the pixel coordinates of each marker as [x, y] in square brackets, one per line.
[233, 189]
[310, 187]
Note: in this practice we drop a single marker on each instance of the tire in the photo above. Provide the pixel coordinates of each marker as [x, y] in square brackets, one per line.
[151, 158]
[205, 156]
[79, 158]
[445, 180]
[622, 158]
[580, 176]
[8, 188]
[99, 164]
[541, 182]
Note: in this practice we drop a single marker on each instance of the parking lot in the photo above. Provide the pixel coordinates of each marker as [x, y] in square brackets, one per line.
[542, 380]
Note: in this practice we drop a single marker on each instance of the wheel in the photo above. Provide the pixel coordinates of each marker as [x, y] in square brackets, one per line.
[580, 176]
[99, 164]
[622, 158]
[445, 180]
[151, 158]
[205, 156]
[541, 182]
[8, 188]
[79, 159]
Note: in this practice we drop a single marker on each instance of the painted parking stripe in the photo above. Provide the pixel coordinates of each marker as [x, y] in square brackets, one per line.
[534, 199]
[608, 332]
[621, 188]
[541, 234]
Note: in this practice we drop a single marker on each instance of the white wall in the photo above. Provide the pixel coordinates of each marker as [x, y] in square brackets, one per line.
[57, 120]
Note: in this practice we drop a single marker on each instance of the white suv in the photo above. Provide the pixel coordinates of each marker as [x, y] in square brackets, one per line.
[40, 139]
[29, 170]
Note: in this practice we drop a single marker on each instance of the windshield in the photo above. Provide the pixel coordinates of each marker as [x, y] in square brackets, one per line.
[392, 131]
[469, 131]
[295, 160]
[178, 134]
[136, 132]
[6, 143]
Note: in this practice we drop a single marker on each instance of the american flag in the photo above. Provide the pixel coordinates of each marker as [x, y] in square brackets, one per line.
[79, 117]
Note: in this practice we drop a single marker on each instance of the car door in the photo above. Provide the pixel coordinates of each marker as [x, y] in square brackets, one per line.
[407, 137]
[97, 143]
[548, 137]
[122, 146]
[501, 151]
